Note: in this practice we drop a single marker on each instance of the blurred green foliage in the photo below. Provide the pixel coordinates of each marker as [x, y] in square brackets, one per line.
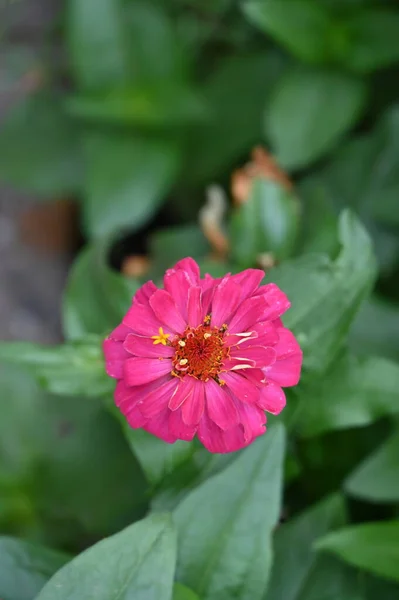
[148, 104]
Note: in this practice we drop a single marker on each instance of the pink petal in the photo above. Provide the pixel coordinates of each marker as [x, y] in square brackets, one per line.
[286, 370]
[135, 418]
[145, 347]
[244, 389]
[266, 335]
[218, 441]
[128, 396]
[166, 311]
[115, 356]
[248, 280]
[236, 339]
[193, 409]
[138, 371]
[272, 398]
[257, 376]
[178, 283]
[237, 364]
[159, 426]
[220, 406]
[143, 294]
[190, 267]
[194, 307]
[262, 357]
[141, 320]
[277, 301]
[180, 429]
[249, 313]
[157, 400]
[120, 332]
[226, 299]
[253, 420]
[182, 392]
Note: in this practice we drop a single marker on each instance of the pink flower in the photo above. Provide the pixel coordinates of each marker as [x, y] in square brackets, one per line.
[204, 357]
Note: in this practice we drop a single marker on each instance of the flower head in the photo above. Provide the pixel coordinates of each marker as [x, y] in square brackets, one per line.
[204, 357]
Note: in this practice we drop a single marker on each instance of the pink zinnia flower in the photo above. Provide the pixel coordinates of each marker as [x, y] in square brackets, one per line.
[204, 357]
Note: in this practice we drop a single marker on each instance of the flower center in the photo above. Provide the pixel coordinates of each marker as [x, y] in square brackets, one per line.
[200, 352]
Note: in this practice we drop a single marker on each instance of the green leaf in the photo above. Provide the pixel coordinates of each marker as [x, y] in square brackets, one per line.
[181, 592]
[127, 179]
[235, 93]
[167, 246]
[225, 524]
[376, 329]
[96, 297]
[364, 173]
[331, 579]
[158, 460]
[169, 105]
[25, 568]
[76, 368]
[136, 564]
[377, 478]
[357, 546]
[374, 39]
[294, 558]
[325, 294]
[309, 112]
[303, 28]
[39, 148]
[353, 393]
[97, 45]
[267, 222]
[69, 460]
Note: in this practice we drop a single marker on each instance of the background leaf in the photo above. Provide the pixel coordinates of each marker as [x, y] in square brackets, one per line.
[329, 104]
[127, 179]
[354, 393]
[326, 295]
[377, 478]
[294, 557]
[96, 297]
[356, 545]
[39, 148]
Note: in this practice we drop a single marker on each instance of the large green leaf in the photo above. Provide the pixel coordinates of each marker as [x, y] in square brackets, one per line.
[127, 179]
[377, 478]
[325, 294]
[372, 546]
[267, 222]
[294, 557]
[96, 297]
[136, 564]
[374, 39]
[25, 568]
[353, 393]
[97, 43]
[225, 524]
[303, 27]
[235, 93]
[76, 368]
[39, 148]
[309, 112]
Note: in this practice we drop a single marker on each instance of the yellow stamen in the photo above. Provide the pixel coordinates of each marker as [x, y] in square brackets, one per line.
[161, 338]
[181, 343]
[183, 361]
[207, 335]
